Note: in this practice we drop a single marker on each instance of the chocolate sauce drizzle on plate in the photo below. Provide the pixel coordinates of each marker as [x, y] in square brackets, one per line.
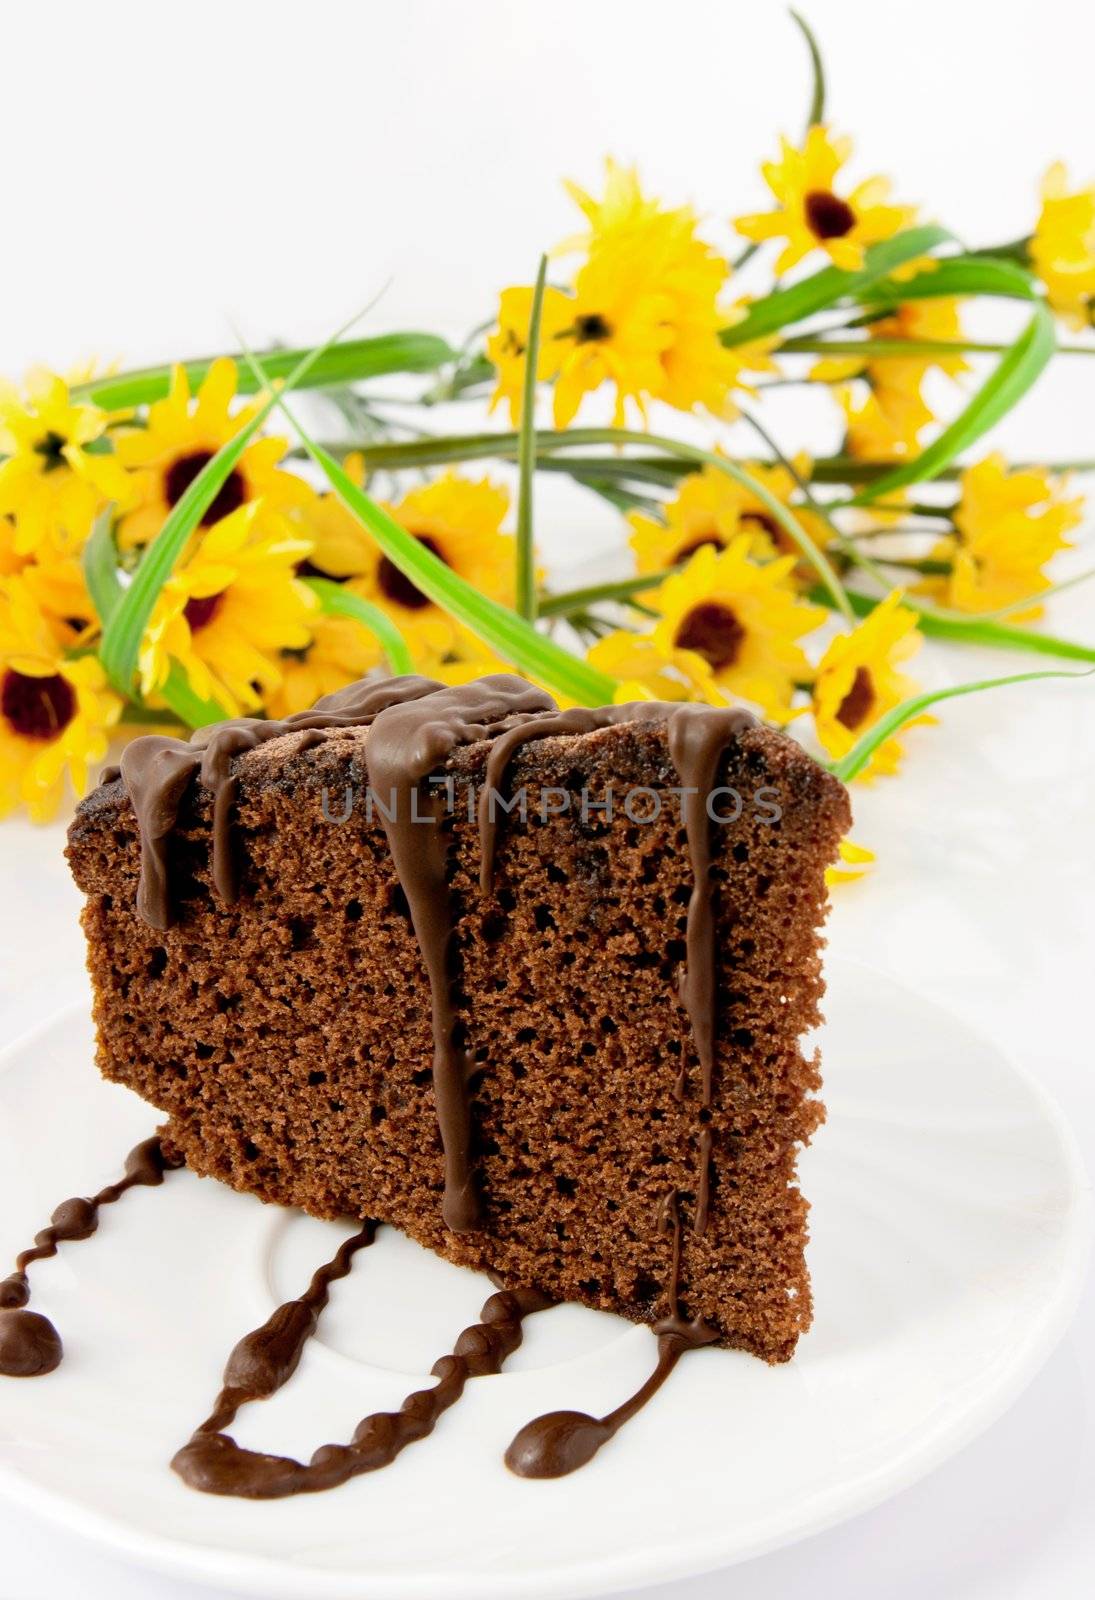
[29, 1343]
[414, 725]
[265, 1359]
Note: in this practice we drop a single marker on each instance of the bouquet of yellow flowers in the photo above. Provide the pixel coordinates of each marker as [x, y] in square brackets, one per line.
[166, 558]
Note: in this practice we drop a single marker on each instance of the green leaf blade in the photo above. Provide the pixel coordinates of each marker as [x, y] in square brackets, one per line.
[1014, 374]
[338, 601]
[122, 635]
[831, 284]
[851, 765]
[349, 361]
[960, 276]
[508, 634]
[100, 567]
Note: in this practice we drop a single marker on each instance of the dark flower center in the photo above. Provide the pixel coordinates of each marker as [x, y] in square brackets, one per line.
[397, 587]
[591, 328]
[828, 216]
[768, 524]
[856, 705]
[714, 632]
[699, 541]
[50, 447]
[37, 708]
[181, 474]
[200, 612]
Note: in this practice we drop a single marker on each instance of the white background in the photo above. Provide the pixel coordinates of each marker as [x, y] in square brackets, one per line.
[169, 168]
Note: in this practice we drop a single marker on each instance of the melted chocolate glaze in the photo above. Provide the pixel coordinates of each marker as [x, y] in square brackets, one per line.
[697, 738]
[405, 744]
[415, 724]
[29, 1343]
[157, 772]
[560, 1442]
[264, 1360]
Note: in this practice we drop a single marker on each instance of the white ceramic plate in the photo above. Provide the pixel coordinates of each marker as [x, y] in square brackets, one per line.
[950, 1237]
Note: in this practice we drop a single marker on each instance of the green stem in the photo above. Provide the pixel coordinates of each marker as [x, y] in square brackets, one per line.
[816, 113]
[1014, 250]
[708, 458]
[998, 635]
[346, 362]
[526, 456]
[569, 601]
[906, 349]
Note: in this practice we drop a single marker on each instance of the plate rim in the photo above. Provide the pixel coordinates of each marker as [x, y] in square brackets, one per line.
[211, 1565]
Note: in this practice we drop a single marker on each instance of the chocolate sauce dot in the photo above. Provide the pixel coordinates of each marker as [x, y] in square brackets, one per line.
[75, 1219]
[14, 1291]
[29, 1344]
[555, 1444]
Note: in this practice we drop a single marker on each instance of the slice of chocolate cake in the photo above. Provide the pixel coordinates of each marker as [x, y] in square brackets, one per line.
[528, 984]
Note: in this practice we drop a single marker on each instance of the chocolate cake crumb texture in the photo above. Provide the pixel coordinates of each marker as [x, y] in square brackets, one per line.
[559, 1046]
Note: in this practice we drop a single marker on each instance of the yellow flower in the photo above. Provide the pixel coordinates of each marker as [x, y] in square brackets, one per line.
[623, 205]
[52, 483]
[507, 344]
[229, 611]
[1010, 525]
[884, 419]
[341, 548]
[811, 215]
[620, 326]
[460, 521]
[858, 681]
[856, 861]
[710, 508]
[181, 436]
[935, 320]
[55, 715]
[12, 560]
[647, 670]
[57, 583]
[469, 658]
[742, 619]
[643, 316]
[338, 652]
[1062, 251]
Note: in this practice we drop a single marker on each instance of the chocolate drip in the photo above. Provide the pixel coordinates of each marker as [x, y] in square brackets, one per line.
[698, 737]
[264, 1360]
[560, 1442]
[415, 725]
[157, 772]
[691, 1330]
[407, 743]
[29, 1343]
